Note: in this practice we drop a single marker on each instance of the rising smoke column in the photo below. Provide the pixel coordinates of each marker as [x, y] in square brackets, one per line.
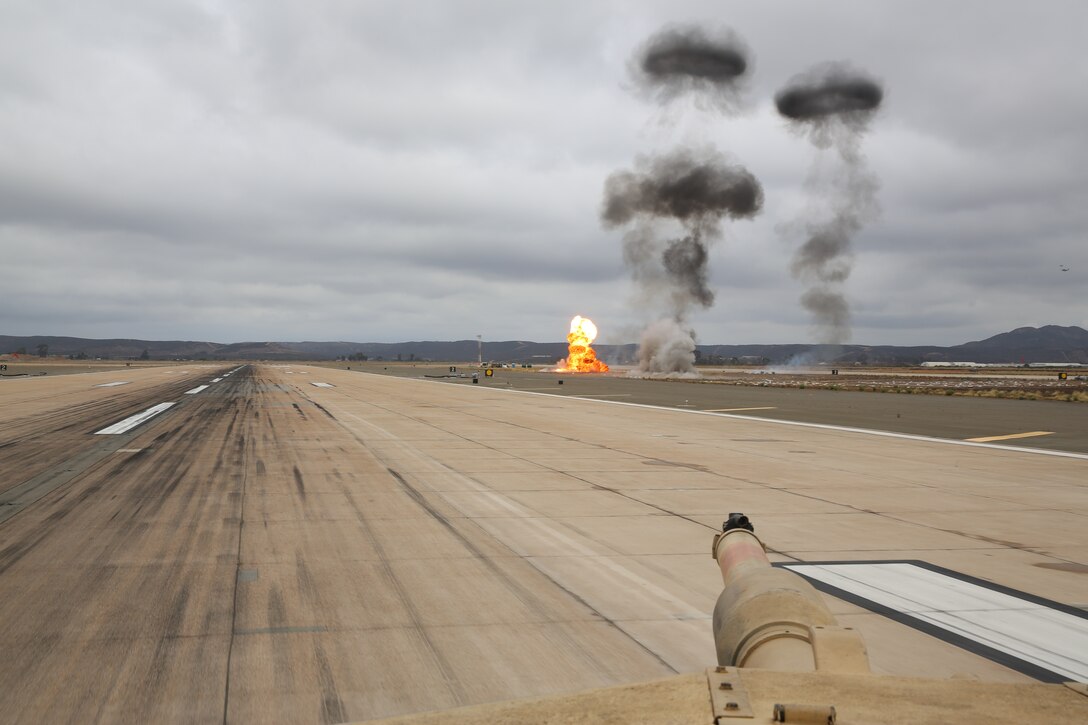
[695, 191]
[710, 64]
[832, 105]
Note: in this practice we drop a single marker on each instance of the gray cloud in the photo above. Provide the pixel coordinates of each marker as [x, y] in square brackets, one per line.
[354, 171]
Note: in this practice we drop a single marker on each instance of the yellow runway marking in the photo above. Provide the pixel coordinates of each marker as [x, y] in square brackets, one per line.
[737, 410]
[1032, 434]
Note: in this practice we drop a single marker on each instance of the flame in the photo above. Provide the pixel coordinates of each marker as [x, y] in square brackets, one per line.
[580, 357]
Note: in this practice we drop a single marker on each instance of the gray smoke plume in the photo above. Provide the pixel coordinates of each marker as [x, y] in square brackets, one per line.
[696, 191]
[685, 261]
[711, 64]
[831, 105]
[666, 348]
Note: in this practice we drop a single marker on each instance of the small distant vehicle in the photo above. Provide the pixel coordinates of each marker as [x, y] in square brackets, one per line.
[1064, 268]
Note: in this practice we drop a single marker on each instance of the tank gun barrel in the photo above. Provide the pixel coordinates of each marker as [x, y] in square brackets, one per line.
[772, 618]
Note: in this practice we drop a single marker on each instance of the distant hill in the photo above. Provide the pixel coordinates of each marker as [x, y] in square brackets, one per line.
[1050, 343]
[111, 349]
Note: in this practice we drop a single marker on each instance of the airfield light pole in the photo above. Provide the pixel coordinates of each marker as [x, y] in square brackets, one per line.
[480, 350]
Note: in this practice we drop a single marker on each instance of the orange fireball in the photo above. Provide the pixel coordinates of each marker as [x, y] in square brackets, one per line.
[580, 357]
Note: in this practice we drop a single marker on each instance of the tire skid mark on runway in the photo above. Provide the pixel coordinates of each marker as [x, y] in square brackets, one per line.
[332, 707]
[16, 498]
[32, 445]
[300, 484]
[331, 702]
[531, 520]
[515, 587]
[241, 452]
[449, 673]
[592, 484]
[12, 553]
[512, 584]
[596, 486]
[445, 668]
[160, 602]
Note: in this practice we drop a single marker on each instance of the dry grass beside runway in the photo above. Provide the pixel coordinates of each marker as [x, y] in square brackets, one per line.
[36, 367]
[1006, 383]
[1074, 391]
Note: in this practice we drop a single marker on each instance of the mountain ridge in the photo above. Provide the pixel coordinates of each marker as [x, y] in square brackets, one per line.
[1049, 343]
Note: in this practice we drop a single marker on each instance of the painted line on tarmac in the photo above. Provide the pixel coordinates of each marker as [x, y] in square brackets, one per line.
[1031, 434]
[132, 421]
[216, 380]
[196, 390]
[1045, 639]
[323, 385]
[113, 385]
[737, 410]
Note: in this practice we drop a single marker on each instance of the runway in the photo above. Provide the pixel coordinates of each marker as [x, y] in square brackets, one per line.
[298, 543]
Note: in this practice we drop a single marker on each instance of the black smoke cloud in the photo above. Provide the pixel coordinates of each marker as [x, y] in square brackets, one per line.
[697, 191]
[831, 91]
[831, 105]
[711, 64]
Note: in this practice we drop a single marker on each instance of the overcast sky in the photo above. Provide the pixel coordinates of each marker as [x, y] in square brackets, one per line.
[392, 171]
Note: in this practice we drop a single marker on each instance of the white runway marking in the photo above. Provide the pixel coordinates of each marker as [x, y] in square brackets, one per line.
[128, 450]
[196, 390]
[133, 420]
[323, 385]
[1045, 637]
[113, 385]
[216, 380]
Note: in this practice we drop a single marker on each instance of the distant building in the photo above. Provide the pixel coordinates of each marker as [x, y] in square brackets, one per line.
[1001, 365]
[955, 365]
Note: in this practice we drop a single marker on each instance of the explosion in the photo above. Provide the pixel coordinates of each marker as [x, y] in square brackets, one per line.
[580, 357]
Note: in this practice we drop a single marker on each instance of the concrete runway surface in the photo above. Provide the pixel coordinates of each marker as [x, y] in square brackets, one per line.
[305, 544]
[1057, 425]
